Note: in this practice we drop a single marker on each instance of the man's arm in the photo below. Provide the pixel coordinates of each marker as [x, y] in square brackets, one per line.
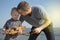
[46, 23]
[43, 26]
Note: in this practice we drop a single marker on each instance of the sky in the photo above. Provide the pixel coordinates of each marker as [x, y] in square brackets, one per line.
[51, 6]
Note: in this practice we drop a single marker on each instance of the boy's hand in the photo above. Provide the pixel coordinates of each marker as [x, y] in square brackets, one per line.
[4, 29]
[20, 29]
[12, 31]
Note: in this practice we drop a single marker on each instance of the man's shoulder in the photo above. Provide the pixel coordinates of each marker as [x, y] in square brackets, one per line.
[35, 8]
[38, 7]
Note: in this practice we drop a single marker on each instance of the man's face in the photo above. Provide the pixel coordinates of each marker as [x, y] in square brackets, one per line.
[25, 12]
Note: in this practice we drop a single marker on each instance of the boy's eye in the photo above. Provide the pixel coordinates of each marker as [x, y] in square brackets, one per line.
[16, 15]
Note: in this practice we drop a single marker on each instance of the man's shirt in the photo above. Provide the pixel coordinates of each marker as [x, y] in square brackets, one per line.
[37, 17]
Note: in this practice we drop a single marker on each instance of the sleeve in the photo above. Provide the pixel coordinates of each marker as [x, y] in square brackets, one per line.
[21, 19]
[40, 13]
[6, 25]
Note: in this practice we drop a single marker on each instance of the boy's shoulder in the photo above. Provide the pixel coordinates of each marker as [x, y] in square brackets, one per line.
[8, 20]
[11, 20]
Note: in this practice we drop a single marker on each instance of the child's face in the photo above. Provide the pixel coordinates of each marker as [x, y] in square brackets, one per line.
[15, 15]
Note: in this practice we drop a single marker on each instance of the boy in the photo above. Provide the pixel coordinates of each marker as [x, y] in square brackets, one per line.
[12, 23]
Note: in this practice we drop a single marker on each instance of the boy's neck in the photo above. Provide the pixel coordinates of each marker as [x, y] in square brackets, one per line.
[14, 19]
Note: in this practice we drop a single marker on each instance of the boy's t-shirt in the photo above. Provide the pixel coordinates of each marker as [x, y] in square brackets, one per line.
[11, 23]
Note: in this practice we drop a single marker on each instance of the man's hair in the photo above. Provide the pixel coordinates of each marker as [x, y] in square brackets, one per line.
[22, 4]
[14, 8]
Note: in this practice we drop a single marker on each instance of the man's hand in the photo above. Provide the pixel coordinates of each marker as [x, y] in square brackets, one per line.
[37, 30]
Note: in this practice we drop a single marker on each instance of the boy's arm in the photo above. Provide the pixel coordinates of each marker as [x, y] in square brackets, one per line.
[5, 27]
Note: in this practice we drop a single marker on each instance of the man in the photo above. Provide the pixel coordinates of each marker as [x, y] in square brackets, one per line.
[37, 17]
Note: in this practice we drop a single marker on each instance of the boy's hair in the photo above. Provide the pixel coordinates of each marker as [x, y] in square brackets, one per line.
[14, 8]
[22, 5]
